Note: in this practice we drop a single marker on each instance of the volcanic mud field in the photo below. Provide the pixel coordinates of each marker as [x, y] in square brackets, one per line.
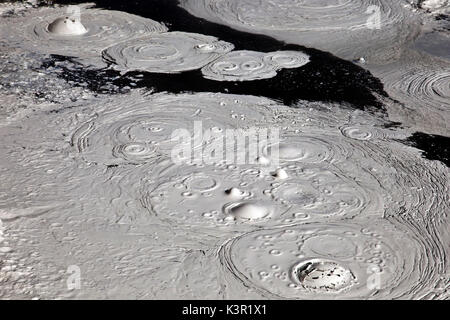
[351, 201]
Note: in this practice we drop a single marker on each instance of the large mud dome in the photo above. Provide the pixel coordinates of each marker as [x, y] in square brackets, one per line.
[47, 31]
[344, 204]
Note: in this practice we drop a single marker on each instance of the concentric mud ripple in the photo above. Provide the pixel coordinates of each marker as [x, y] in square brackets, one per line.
[428, 88]
[247, 65]
[380, 165]
[302, 148]
[424, 92]
[141, 131]
[102, 29]
[333, 261]
[286, 59]
[252, 195]
[239, 65]
[316, 194]
[320, 175]
[134, 151]
[363, 133]
[321, 24]
[348, 212]
[167, 52]
[290, 14]
[213, 196]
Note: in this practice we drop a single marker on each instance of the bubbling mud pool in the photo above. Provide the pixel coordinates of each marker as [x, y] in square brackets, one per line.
[340, 176]
[348, 209]
[83, 33]
[323, 78]
[142, 131]
[342, 260]
[251, 65]
[167, 53]
[375, 28]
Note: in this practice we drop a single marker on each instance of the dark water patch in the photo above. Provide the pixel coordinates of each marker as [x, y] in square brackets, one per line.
[102, 81]
[392, 125]
[435, 147]
[443, 17]
[325, 78]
